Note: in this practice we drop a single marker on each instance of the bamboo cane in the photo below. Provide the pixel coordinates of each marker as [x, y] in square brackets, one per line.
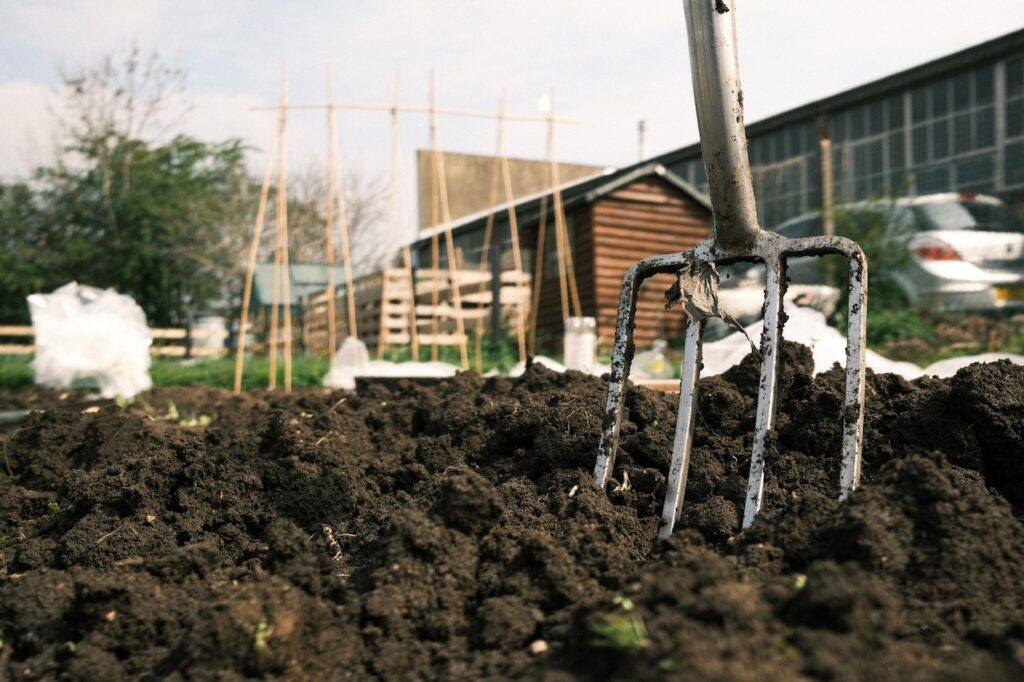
[250, 269]
[346, 250]
[517, 256]
[332, 339]
[538, 273]
[453, 272]
[399, 191]
[566, 271]
[282, 202]
[435, 259]
[485, 250]
[276, 288]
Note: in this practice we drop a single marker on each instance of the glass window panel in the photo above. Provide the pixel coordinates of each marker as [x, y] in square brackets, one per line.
[920, 144]
[896, 151]
[860, 161]
[876, 116]
[940, 139]
[795, 141]
[940, 99]
[895, 106]
[962, 92]
[899, 183]
[984, 90]
[975, 171]
[919, 105]
[780, 147]
[876, 186]
[837, 128]
[857, 124]
[1013, 164]
[876, 158]
[1015, 118]
[860, 188]
[1015, 77]
[985, 130]
[962, 133]
[934, 179]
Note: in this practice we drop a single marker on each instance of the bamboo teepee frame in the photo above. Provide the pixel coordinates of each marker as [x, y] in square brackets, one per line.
[441, 218]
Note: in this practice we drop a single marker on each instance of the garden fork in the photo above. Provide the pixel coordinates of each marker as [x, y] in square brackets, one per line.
[737, 237]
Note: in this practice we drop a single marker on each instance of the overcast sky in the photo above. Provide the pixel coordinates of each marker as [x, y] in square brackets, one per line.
[610, 63]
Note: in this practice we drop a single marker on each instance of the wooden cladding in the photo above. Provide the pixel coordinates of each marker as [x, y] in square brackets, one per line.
[645, 218]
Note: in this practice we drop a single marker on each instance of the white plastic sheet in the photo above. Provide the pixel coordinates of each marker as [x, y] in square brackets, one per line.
[84, 334]
[352, 360]
[805, 326]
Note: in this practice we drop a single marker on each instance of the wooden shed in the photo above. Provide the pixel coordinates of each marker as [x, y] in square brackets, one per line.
[614, 219]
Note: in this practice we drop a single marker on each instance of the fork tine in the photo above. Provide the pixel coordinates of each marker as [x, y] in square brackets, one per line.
[765, 419]
[853, 410]
[689, 374]
[622, 357]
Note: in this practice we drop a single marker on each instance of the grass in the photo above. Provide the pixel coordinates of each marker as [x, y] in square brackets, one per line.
[15, 372]
[622, 631]
[307, 371]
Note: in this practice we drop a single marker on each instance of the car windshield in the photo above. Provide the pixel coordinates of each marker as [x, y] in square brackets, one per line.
[967, 215]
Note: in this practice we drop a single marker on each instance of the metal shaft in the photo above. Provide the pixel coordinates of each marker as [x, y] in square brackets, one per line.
[714, 65]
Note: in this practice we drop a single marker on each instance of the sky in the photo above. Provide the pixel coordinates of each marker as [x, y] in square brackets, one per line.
[609, 64]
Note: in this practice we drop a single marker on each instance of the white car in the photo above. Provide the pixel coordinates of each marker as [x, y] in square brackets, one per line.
[966, 251]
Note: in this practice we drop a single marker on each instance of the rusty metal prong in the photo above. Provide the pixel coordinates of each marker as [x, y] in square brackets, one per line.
[765, 416]
[689, 376]
[622, 357]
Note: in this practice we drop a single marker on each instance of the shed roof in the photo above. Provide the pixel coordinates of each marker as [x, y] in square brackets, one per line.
[305, 279]
[574, 193]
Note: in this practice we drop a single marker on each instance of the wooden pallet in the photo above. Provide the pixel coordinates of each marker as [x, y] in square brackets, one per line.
[384, 303]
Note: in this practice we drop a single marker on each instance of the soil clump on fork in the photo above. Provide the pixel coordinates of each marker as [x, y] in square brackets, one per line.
[452, 532]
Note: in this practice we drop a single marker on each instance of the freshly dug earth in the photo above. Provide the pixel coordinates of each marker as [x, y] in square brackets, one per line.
[453, 532]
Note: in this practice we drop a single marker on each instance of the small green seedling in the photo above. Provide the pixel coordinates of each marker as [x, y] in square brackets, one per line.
[260, 637]
[622, 631]
[54, 508]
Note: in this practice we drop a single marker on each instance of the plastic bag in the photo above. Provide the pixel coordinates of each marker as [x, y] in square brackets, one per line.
[653, 363]
[85, 334]
[351, 360]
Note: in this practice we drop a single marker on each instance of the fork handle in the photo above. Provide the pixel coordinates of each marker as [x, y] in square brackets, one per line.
[715, 67]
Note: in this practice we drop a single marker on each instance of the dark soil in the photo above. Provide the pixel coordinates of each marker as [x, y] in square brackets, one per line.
[452, 532]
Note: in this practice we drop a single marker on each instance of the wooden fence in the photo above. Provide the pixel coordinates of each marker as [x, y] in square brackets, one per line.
[171, 342]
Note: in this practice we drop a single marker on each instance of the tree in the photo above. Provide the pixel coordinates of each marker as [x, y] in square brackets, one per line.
[366, 213]
[128, 204]
[153, 227]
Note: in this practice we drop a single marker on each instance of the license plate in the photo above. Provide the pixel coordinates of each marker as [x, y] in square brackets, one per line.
[1009, 293]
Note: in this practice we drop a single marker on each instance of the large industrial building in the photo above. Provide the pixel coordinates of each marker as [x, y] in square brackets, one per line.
[952, 124]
